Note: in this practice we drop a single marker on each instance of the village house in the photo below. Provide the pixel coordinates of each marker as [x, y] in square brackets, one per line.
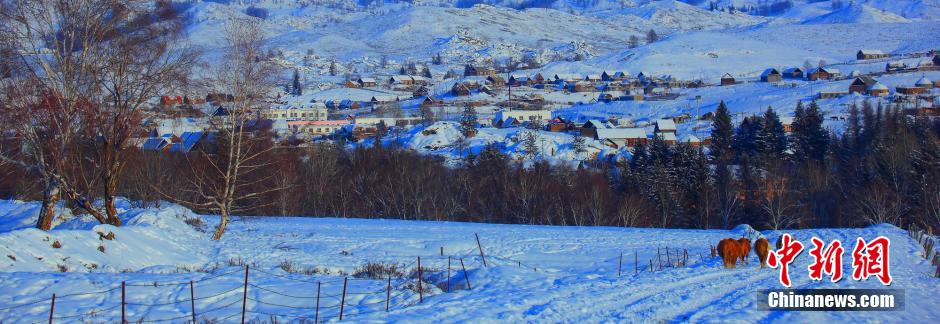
[351, 84]
[823, 73]
[861, 84]
[558, 124]
[669, 138]
[420, 80]
[566, 78]
[589, 128]
[593, 78]
[473, 70]
[325, 127]
[382, 99]
[915, 90]
[387, 121]
[870, 55]
[771, 75]
[194, 142]
[366, 82]
[521, 116]
[665, 125]
[897, 66]
[581, 86]
[615, 76]
[878, 90]
[307, 112]
[348, 104]
[401, 79]
[924, 82]
[793, 73]
[691, 140]
[621, 137]
[787, 123]
[157, 144]
[518, 80]
[496, 81]
[727, 79]
[464, 88]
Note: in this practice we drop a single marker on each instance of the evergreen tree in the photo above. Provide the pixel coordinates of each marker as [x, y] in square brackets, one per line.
[640, 157]
[577, 144]
[811, 139]
[772, 138]
[633, 41]
[651, 36]
[333, 68]
[427, 73]
[296, 87]
[468, 121]
[721, 132]
[530, 144]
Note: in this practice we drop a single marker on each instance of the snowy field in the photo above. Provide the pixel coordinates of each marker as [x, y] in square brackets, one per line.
[533, 273]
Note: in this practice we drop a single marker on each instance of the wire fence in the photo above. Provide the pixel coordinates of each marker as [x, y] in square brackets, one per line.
[217, 297]
[226, 298]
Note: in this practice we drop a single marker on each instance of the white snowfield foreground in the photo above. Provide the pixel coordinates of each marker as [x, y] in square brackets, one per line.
[533, 273]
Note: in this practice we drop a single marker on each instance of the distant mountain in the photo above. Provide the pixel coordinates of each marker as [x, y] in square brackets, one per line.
[857, 13]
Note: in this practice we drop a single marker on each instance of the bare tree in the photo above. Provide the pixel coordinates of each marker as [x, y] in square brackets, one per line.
[779, 203]
[880, 203]
[235, 176]
[80, 72]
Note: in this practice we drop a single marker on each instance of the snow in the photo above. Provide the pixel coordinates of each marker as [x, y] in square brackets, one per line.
[533, 273]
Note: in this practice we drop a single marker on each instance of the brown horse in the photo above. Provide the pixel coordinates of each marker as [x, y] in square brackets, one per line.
[761, 248]
[744, 247]
[728, 251]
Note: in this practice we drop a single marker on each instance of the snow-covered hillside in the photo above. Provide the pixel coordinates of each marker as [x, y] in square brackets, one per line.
[532, 273]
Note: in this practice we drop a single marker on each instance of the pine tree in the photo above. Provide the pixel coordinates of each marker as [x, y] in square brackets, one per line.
[530, 144]
[652, 36]
[812, 140]
[578, 144]
[633, 41]
[772, 138]
[296, 87]
[721, 132]
[427, 73]
[468, 121]
[333, 68]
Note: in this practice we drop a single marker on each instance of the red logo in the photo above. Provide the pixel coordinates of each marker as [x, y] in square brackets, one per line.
[787, 252]
[829, 262]
[871, 260]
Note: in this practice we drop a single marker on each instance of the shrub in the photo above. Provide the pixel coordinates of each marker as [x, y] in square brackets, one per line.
[101, 248]
[378, 270]
[290, 267]
[56, 245]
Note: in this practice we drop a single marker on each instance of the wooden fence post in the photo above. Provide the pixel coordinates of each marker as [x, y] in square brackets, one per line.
[465, 275]
[442, 251]
[660, 258]
[651, 265]
[420, 291]
[480, 246]
[192, 300]
[636, 263]
[245, 294]
[388, 292]
[448, 273]
[620, 264]
[52, 308]
[123, 301]
[668, 257]
[342, 302]
[316, 311]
